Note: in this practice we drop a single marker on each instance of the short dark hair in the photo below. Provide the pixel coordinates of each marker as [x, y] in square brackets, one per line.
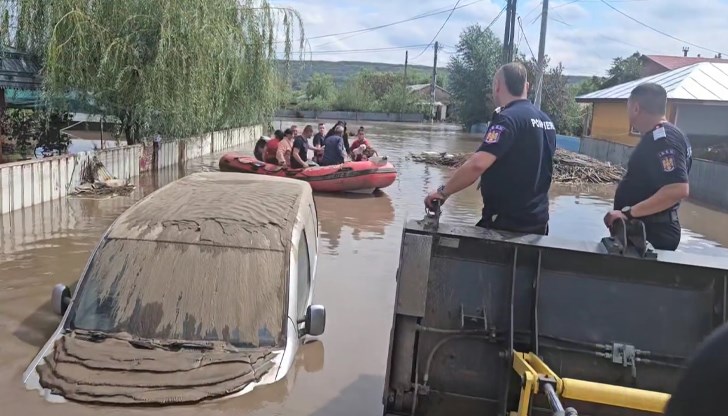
[288, 132]
[515, 76]
[651, 97]
[278, 134]
[321, 124]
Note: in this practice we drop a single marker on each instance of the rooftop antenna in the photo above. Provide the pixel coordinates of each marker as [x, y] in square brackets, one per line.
[685, 50]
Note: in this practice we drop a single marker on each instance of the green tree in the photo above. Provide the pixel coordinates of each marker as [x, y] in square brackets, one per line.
[471, 71]
[624, 70]
[557, 98]
[321, 86]
[399, 100]
[380, 83]
[590, 85]
[182, 67]
[355, 96]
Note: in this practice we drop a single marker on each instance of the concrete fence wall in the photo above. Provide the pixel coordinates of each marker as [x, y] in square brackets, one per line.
[27, 183]
[707, 178]
[24, 184]
[351, 116]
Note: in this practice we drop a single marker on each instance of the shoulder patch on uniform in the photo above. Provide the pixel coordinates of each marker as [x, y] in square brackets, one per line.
[493, 134]
[667, 160]
[659, 133]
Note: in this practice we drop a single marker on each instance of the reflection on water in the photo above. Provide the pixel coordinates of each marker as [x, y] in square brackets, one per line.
[359, 253]
[364, 216]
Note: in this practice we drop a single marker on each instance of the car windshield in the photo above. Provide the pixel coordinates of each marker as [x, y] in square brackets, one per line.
[160, 290]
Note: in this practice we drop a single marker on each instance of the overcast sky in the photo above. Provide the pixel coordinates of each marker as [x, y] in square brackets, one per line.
[583, 34]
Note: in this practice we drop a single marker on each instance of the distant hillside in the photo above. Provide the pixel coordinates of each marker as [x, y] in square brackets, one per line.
[576, 79]
[301, 71]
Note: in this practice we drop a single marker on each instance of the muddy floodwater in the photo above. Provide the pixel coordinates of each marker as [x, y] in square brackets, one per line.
[343, 374]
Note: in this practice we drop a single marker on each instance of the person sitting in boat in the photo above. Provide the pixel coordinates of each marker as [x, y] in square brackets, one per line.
[271, 148]
[361, 149]
[259, 151]
[286, 154]
[344, 136]
[301, 146]
[334, 151]
[318, 143]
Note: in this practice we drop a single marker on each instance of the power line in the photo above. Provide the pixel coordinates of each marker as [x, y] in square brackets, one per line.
[421, 16]
[345, 51]
[526, 38]
[438, 32]
[656, 30]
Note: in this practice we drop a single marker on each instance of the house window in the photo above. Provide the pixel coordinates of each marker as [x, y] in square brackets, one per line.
[304, 276]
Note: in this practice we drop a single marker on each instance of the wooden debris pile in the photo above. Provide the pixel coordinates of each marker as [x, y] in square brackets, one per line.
[569, 167]
[97, 181]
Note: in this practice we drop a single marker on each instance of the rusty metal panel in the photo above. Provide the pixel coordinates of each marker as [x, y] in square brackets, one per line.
[413, 274]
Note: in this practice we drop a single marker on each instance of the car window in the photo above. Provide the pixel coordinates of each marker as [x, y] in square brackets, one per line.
[304, 276]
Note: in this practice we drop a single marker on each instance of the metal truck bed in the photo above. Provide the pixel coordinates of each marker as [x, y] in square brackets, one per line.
[468, 299]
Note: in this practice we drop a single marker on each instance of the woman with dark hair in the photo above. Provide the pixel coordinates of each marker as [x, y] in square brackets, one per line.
[345, 135]
[259, 151]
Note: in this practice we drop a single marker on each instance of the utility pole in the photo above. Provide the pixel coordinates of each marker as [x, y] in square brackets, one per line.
[512, 39]
[433, 87]
[509, 35]
[542, 53]
[507, 32]
[406, 58]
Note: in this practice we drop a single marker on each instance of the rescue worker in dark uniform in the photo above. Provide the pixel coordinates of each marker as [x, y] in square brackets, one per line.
[657, 172]
[514, 161]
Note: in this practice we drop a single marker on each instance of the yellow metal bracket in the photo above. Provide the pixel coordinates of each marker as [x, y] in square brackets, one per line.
[533, 371]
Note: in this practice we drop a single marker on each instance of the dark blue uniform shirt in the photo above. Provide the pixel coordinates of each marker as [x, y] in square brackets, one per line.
[515, 188]
[333, 147]
[662, 157]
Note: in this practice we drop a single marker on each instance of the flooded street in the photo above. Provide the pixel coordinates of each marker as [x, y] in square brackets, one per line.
[359, 252]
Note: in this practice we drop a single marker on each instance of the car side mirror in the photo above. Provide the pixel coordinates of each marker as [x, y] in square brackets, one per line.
[60, 299]
[315, 322]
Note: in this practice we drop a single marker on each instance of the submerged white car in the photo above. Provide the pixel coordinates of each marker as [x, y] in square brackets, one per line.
[200, 291]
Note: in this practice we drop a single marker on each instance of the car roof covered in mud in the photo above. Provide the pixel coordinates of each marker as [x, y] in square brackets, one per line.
[218, 209]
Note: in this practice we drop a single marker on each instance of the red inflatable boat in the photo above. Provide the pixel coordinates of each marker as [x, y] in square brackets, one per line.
[360, 177]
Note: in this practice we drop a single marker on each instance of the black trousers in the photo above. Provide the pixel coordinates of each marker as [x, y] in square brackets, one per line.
[504, 224]
[663, 235]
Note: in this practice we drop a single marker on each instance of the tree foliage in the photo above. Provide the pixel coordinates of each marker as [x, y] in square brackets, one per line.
[624, 70]
[472, 69]
[367, 91]
[181, 67]
[321, 86]
[588, 86]
[557, 98]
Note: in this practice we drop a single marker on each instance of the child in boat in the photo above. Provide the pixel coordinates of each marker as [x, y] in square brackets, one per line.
[361, 149]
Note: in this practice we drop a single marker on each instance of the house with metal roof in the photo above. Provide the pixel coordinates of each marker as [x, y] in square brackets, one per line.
[18, 72]
[442, 98]
[697, 102]
[657, 64]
